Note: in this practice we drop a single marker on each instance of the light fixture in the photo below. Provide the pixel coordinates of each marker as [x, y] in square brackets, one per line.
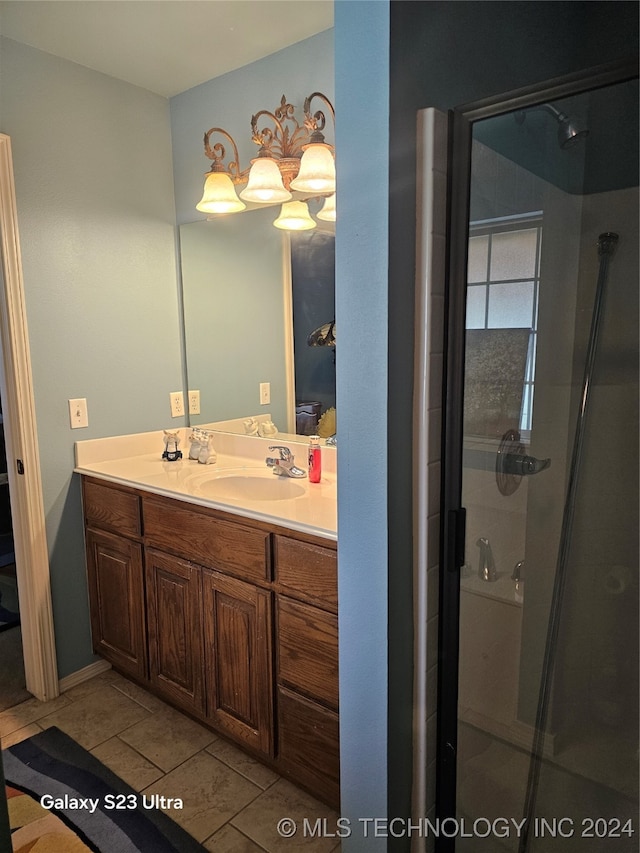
[294, 216]
[328, 209]
[219, 195]
[219, 192]
[290, 157]
[317, 169]
[265, 182]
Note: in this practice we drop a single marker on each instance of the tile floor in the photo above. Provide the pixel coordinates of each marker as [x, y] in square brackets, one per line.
[232, 804]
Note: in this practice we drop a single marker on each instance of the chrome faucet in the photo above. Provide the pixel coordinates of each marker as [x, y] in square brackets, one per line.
[518, 572]
[283, 464]
[486, 567]
[518, 576]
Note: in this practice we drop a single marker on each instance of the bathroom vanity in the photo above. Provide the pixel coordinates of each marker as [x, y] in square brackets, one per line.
[226, 612]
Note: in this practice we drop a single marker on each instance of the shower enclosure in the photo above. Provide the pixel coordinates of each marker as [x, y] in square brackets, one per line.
[538, 675]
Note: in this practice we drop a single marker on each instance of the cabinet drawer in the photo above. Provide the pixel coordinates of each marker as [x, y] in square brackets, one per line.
[308, 650]
[114, 509]
[309, 747]
[207, 540]
[306, 569]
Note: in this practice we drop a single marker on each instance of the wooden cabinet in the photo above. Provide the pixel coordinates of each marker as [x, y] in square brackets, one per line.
[232, 620]
[309, 745]
[307, 665]
[238, 659]
[174, 619]
[116, 600]
[115, 576]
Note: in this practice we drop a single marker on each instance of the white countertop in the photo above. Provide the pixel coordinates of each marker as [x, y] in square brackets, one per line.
[253, 490]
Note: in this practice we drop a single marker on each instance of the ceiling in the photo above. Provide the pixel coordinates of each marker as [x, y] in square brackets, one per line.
[165, 46]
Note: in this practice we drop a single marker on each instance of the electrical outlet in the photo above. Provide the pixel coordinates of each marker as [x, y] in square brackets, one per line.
[194, 402]
[78, 414]
[265, 393]
[177, 404]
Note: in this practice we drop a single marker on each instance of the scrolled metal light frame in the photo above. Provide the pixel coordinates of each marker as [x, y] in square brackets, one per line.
[316, 122]
[217, 153]
[284, 142]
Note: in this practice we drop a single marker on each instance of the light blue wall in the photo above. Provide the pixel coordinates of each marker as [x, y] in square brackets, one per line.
[92, 160]
[362, 105]
[229, 102]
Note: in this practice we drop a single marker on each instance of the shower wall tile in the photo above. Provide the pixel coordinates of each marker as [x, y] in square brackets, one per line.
[432, 648]
[433, 545]
[431, 781]
[430, 845]
[436, 325]
[433, 475]
[434, 426]
[432, 728]
[436, 365]
[433, 587]
[438, 262]
[432, 683]
[439, 225]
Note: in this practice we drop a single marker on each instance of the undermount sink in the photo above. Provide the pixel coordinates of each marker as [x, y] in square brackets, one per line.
[248, 487]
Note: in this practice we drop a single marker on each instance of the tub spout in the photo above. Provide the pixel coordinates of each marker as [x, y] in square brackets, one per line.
[486, 567]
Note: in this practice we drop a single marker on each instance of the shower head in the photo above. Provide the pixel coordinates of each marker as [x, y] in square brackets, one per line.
[569, 130]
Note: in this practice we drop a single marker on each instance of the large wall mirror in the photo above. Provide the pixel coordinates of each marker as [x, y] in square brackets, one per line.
[253, 298]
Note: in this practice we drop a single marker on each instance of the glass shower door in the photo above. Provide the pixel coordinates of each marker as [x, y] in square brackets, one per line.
[547, 693]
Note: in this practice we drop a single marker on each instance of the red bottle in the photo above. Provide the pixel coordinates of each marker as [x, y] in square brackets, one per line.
[315, 459]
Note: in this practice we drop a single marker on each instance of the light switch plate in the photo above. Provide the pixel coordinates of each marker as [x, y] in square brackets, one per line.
[78, 414]
[265, 393]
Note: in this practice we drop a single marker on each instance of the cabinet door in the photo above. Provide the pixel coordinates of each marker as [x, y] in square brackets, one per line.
[116, 597]
[309, 745]
[175, 629]
[238, 660]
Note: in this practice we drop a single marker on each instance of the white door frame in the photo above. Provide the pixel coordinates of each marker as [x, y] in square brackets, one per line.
[21, 439]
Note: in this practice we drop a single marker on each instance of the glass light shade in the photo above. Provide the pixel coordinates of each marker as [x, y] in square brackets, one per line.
[328, 209]
[219, 195]
[265, 182]
[317, 170]
[294, 216]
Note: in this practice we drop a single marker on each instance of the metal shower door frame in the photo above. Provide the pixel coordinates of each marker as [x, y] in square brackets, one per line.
[461, 121]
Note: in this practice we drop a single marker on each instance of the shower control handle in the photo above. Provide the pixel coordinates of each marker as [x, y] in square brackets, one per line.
[512, 463]
[523, 466]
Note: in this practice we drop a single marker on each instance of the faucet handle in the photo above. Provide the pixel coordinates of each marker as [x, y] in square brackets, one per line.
[285, 453]
[518, 572]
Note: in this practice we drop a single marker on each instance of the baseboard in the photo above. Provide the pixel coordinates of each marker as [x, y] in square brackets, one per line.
[83, 674]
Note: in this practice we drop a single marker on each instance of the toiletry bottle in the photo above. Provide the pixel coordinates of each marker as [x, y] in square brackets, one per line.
[315, 459]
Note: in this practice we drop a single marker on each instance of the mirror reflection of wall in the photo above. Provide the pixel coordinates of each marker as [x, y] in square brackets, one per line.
[238, 301]
[233, 298]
